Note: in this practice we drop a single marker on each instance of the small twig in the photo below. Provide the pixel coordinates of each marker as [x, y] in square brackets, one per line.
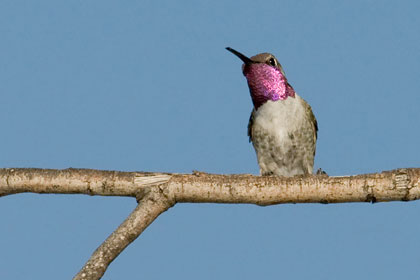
[149, 208]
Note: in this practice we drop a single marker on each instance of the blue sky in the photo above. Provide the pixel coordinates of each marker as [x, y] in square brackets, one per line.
[149, 86]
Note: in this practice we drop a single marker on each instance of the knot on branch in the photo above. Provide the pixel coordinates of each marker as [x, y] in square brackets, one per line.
[150, 182]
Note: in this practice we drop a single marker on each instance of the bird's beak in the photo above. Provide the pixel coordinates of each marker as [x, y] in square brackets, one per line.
[244, 58]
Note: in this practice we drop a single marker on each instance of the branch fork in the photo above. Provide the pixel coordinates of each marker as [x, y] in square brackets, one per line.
[157, 192]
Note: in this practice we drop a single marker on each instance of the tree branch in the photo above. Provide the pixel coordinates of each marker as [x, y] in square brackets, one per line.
[156, 192]
[395, 185]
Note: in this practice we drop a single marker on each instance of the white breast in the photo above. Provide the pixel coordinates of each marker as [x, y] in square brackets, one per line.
[281, 116]
[280, 134]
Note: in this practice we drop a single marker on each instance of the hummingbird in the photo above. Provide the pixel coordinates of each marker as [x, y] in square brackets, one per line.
[282, 126]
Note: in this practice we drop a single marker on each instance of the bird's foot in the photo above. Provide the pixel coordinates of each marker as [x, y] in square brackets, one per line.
[321, 172]
[199, 173]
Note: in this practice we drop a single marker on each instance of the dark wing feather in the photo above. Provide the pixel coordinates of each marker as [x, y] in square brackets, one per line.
[313, 121]
[250, 123]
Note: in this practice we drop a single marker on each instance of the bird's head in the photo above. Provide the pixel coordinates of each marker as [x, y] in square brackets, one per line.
[266, 78]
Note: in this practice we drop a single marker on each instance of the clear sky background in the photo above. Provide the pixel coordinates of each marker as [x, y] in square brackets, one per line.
[149, 86]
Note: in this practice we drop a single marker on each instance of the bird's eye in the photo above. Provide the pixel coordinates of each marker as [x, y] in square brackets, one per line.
[272, 62]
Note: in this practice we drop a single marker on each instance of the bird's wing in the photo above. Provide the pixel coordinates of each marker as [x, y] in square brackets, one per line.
[313, 122]
[250, 123]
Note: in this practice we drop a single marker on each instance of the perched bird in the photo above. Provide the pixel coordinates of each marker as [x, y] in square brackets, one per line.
[282, 127]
